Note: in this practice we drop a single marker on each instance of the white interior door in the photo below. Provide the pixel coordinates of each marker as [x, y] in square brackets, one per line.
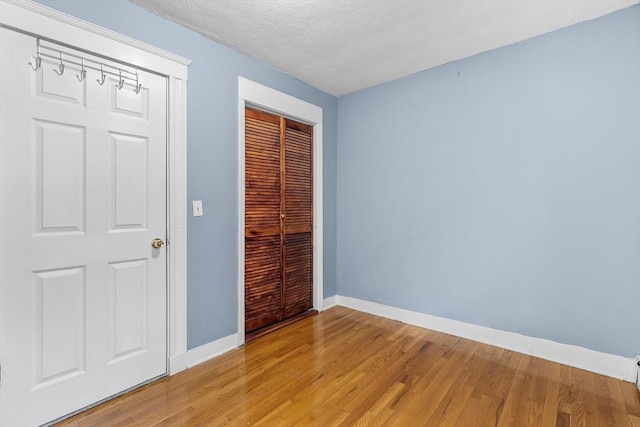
[83, 187]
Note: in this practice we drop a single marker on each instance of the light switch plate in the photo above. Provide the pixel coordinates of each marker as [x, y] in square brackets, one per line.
[638, 374]
[197, 208]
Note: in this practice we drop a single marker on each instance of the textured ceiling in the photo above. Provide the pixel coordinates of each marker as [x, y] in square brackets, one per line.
[341, 46]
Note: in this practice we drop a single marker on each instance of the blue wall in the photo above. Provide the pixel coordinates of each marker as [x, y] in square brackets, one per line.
[212, 156]
[503, 190]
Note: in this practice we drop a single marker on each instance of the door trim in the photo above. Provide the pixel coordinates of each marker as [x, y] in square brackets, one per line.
[38, 20]
[252, 94]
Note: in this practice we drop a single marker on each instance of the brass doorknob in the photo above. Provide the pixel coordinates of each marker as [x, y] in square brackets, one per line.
[157, 243]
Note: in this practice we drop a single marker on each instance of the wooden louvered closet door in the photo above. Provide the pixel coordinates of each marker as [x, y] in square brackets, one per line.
[278, 219]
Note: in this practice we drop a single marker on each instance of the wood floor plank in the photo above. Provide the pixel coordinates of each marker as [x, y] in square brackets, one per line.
[344, 368]
[451, 405]
[470, 412]
[550, 406]
[515, 402]
[539, 394]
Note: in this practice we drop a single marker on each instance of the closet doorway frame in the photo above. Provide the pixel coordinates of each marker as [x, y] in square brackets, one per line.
[37, 20]
[255, 95]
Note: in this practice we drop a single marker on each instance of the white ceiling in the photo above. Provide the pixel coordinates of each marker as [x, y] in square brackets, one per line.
[341, 46]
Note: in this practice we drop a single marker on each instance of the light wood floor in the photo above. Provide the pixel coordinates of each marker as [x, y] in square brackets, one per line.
[347, 368]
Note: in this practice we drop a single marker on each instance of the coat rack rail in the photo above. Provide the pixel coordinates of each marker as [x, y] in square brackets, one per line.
[66, 58]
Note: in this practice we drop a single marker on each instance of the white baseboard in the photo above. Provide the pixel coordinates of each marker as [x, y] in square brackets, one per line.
[201, 354]
[579, 357]
[210, 350]
[177, 363]
[329, 302]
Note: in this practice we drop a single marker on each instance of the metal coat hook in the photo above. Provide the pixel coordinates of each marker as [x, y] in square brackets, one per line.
[138, 85]
[60, 67]
[38, 63]
[121, 82]
[83, 72]
[103, 76]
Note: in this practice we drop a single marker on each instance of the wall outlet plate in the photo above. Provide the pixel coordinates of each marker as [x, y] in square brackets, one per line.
[197, 208]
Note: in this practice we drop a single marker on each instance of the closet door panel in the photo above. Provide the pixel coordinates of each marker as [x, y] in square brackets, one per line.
[298, 202]
[263, 272]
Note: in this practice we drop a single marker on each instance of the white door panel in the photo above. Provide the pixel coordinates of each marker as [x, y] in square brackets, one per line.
[83, 182]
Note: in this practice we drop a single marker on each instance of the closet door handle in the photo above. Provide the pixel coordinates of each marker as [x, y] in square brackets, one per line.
[281, 216]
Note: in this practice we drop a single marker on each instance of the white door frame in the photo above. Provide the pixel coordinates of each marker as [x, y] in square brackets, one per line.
[253, 94]
[38, 20]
